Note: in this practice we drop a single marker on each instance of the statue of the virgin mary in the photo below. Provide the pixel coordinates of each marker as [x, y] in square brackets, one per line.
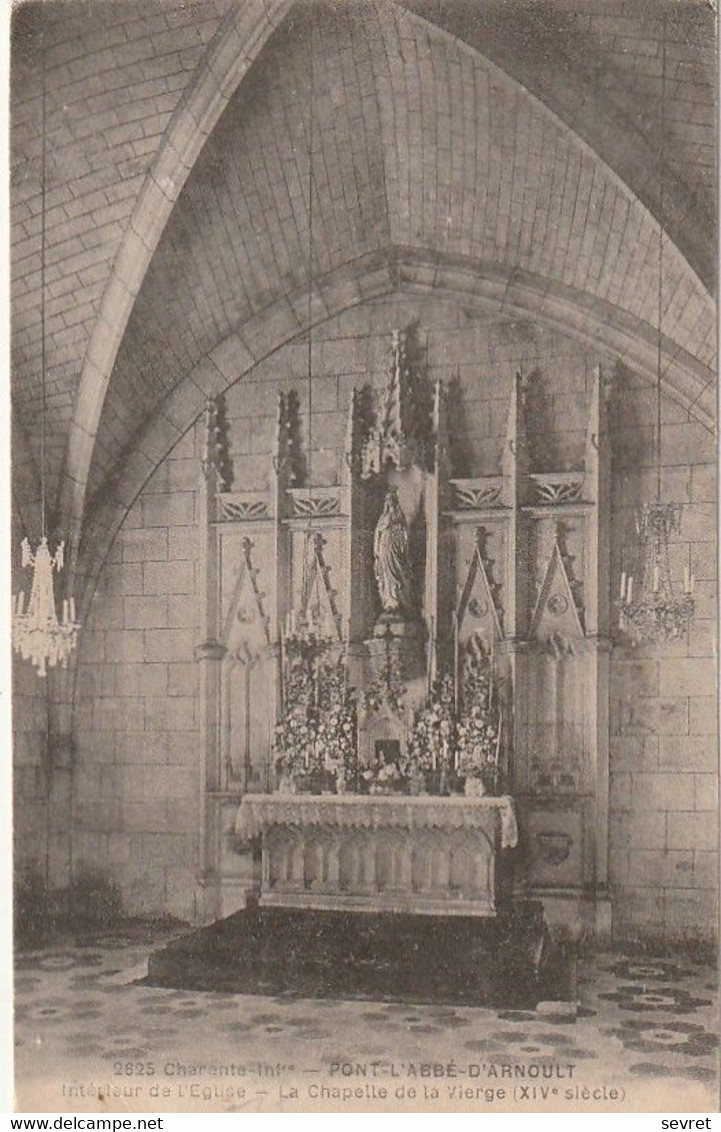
[391, 557]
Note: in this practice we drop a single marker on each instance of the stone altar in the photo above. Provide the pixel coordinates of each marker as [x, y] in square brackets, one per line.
[414, 854]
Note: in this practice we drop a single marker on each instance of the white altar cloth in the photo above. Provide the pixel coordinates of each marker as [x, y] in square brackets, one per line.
[259, 812]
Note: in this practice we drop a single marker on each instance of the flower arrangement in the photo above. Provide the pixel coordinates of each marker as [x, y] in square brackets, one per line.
[383, 776]
[337, 724]
[386, 692]
[432, 738]
[315, 741]
[478, 730]
[297, 750]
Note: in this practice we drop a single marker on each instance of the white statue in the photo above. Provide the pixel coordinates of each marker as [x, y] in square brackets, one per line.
[391, 557]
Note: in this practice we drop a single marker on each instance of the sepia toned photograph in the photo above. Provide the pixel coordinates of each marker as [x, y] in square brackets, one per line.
[363, 547]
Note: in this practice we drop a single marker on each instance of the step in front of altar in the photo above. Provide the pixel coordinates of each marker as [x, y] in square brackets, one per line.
[500, 961]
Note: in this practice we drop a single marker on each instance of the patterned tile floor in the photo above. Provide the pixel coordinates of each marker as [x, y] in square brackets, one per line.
[90, 1037]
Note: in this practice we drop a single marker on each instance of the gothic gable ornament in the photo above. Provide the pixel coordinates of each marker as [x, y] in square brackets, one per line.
[478, 598]
[246, 617]
[318, 600]
[556, 618]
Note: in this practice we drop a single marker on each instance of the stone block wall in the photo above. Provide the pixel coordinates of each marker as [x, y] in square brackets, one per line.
[135, 790]
[664, 744]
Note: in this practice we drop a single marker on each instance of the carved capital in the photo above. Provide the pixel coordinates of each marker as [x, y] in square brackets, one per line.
[209, 650]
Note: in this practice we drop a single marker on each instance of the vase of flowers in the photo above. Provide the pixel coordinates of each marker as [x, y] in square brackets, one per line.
[383, 777]
[474, 786]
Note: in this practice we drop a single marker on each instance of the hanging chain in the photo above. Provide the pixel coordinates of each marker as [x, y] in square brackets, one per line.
[43, 96]
[659, 356]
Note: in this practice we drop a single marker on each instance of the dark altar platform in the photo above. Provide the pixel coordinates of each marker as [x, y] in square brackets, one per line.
[504, 961]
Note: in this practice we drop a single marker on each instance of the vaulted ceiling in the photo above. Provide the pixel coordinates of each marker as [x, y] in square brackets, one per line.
[524, 151]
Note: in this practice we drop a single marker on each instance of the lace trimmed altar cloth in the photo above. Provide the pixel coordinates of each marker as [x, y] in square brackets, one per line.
[419, 854]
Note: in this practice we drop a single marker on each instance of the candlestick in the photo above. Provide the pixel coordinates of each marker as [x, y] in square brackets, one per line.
[281, 664]
[456, 674]
[498, 737]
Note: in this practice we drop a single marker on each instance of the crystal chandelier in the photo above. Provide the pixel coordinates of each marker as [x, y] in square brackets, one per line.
[37, 632]
[38, 635]
[655, 612]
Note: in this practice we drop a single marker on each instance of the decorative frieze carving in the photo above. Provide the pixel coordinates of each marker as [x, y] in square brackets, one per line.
[477, 494]
[237, 508]
[315, 505]
[557, 487]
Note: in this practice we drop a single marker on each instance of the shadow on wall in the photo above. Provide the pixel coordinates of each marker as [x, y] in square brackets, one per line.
[90, 906]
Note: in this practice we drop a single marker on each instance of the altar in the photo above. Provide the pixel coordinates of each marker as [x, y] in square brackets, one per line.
[424, 855]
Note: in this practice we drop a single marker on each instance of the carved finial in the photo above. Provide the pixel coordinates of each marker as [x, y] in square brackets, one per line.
[439, 427]
[392, 429]
[516, 426]
[289, 458]
[401, 435]
[597, 425]
[215, 455]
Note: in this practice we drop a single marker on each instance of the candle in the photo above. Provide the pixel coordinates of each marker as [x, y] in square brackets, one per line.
[21, 602]
[623, 585]
[629, 590]
[65, 610]
[456, 631]
[281, 663]
[655, 579]
[686, 580]
[72, 609]
[431, 644]
[693, 582]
